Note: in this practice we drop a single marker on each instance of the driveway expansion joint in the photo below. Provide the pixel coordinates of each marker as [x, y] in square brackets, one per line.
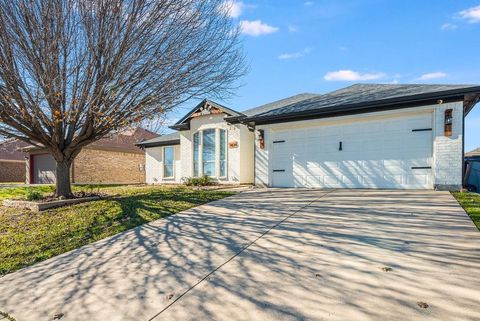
[206, 277]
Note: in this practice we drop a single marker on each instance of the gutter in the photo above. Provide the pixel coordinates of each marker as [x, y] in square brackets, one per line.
[363, 107]
[156, 144]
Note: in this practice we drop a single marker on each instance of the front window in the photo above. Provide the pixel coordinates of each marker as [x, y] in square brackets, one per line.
[208, 153]
[196, 151]
[223, 153]
[168, 162]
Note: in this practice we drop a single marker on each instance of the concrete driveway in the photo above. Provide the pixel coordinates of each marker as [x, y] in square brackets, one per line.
[270, 255]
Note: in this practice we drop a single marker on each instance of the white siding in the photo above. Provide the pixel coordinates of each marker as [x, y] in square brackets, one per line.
[239, 159]
[154, 166]
[446, 152]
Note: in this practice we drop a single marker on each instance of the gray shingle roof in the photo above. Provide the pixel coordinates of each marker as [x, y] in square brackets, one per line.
[355, 94]
[170, 139]
[475, 152]
[278, 104]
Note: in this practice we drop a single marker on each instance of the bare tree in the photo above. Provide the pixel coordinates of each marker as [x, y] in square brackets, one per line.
[71, 71]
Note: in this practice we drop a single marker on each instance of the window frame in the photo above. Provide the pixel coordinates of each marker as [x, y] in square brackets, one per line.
[225, 145]
[199, 171]
[165, 163]
[214, 161]
[217, 153]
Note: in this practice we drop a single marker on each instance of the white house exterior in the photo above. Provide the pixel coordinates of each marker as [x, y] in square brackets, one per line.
[362, 136]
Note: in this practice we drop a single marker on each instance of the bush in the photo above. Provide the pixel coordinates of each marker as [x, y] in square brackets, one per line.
[199, 181]
[34, 195]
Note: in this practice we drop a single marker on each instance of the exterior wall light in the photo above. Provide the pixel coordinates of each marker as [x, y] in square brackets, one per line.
[448, 122]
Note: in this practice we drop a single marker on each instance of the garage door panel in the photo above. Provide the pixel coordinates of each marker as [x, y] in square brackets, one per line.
[44, 169]
[418, 180]
[375, 154]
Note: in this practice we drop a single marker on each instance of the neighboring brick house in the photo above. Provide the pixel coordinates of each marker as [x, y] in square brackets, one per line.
[114, 159]
[12, 161]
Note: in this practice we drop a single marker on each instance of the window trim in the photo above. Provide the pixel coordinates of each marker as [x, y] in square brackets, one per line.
[214, 161]
[199, 157]
[226, 153]
[200, 133]
[165, 164]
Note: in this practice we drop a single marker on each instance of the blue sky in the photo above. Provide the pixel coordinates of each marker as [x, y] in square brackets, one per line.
[317, 46]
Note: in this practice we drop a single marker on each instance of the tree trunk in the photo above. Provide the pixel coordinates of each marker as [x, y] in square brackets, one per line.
[63, 187]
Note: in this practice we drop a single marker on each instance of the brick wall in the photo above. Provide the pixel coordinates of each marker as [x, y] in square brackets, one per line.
[447, 151]
[103, 166]
[12, 171]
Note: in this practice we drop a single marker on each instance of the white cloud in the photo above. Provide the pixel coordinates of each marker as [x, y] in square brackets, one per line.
[308, 3]
[350, 75]
[432, 75]
[472, 15]
[232, 8]
[256, 28]
[448, 26]
[292, 28]
[295, 55]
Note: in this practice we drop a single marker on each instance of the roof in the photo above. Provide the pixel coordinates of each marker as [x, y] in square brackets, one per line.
[473, 153]
[278, 104]
[355, 98]
[183, 123]
[164, 140]
[10, 149]
[124, 140]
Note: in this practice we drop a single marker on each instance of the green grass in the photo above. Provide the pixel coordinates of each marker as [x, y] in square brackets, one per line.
[28, 237]
[21, 192]
[471, 204]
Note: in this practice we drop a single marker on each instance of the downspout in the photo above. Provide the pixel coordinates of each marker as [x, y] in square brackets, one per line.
[463, 147]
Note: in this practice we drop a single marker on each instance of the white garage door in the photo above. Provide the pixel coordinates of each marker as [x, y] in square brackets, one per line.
[44, 169]
[391, 152]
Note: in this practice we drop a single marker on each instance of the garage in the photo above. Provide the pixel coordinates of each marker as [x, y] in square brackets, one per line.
[43, 169]
[383, 152]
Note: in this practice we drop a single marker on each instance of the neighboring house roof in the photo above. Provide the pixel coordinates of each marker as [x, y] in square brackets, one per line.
[473, 153]
[356, 98]
[10, 149]
[164, 140]
[183, 123]
[124, 140]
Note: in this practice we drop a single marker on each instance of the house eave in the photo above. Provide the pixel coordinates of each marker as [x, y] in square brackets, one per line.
[387, 104]
[158, 144]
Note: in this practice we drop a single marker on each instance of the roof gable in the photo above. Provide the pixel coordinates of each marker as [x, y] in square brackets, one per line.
[206, 107]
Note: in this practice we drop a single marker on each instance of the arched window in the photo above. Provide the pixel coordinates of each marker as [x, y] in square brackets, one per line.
[210, 153]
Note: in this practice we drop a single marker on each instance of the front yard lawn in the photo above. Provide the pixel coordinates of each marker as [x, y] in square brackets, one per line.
[28, 237]
[21, 191]
[471, 204]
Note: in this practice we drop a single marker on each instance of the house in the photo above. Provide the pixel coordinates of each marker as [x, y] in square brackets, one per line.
[113, 159]
[12, 161]
[362, 136]
[472, 170]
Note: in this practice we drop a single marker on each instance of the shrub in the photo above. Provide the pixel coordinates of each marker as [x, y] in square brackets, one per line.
[34, 195]
[199, 181]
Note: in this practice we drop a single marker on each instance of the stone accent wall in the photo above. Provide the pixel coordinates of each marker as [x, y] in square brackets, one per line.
[12, 171]
[447, 151]
[103, 166]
